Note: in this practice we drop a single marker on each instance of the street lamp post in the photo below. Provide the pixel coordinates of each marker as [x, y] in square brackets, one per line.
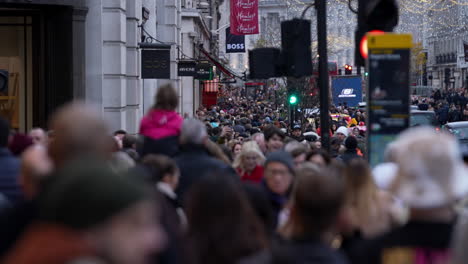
[321, 7]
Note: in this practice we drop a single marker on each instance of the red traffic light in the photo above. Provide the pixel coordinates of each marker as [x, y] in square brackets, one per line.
[363, 45]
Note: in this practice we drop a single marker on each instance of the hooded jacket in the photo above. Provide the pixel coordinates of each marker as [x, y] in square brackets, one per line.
[159, 124]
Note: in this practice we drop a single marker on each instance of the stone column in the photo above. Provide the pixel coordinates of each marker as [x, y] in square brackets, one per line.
[114, 31]
[94, 77]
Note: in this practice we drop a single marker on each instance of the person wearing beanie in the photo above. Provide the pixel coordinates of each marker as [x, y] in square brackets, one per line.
[342, 132]
[278, 180]
[88, 211]
[350, 153]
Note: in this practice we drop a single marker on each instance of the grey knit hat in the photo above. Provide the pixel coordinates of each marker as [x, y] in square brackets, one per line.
[282, 157]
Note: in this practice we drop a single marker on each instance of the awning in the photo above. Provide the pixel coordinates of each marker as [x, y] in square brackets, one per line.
[218, 64]
[211, 86]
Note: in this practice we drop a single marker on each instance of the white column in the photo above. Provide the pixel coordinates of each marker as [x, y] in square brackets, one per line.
[94, 74]
[134, 111]
[114, 63]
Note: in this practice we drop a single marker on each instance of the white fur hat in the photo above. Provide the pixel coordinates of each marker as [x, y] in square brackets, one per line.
[430, 170]
[343, 130]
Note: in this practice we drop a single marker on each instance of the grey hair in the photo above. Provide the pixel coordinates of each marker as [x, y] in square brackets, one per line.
[193, 132]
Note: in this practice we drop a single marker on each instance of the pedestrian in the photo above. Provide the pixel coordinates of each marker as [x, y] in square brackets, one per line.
[336, 147]
[129, 146]
[319, 158]
[258, 199]
[316, 203]
[429, 182]
[260, 139]
[278, 180]
[249, 163]
[217, 151]
[371, 212]
[223, 227]
[79, 226]
[350, 153]
[274, 139]
[236, 148]
[161, 127]
[297, 133]
[39, 136]
[165, 175]
[78, 131]
[119, 161]
[299, 155]
[120, 134]
[341, 133]
[193, 159]
[19, 143]
[9, 167]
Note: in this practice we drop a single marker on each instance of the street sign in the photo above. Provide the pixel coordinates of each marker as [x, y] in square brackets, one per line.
[388, 90]
[204, 71]
[155, 64]
[186, 68]
[234, 43]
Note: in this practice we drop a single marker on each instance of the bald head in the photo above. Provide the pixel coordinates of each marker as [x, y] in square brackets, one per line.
[78, 131]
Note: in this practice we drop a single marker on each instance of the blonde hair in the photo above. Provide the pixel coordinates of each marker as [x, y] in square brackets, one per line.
[248, 148]
[362, 194]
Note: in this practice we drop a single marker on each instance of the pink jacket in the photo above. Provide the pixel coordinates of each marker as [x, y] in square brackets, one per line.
[159, 124]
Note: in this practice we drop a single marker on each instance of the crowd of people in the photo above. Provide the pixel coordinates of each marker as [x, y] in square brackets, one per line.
[450, 105]
[238, 183]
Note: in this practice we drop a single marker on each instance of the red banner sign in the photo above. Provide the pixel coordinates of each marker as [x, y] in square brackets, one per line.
[244, 17]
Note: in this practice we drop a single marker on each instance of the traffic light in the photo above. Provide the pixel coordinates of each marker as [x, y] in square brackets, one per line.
[348, 69]
[264, 63]
[292, 99]
[379, 15]
[447, 76]
[295, 45]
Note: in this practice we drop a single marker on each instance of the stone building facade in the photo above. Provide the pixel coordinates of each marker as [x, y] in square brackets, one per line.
[89, 50]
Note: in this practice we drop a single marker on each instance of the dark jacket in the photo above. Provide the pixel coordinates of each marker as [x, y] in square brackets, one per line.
[13, 223]
[9, 172]
[277, 202]
[349, 155]
[455, 116]
[168, 146]
[194, 162]
[443, 115]
[310, 251]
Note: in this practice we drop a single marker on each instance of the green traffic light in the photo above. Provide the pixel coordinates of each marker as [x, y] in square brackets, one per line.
[366, 74]
[292, 99]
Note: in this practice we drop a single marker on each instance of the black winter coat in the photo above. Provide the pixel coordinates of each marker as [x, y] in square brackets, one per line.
[349, 155]
[310, 251]
[168, 146]
[194, 162]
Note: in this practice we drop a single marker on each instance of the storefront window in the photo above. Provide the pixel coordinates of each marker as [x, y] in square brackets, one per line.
[16, 71]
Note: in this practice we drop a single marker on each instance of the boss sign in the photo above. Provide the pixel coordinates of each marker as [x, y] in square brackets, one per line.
[234, 43]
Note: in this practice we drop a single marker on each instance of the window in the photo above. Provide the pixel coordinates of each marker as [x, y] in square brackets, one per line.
[16, 63]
